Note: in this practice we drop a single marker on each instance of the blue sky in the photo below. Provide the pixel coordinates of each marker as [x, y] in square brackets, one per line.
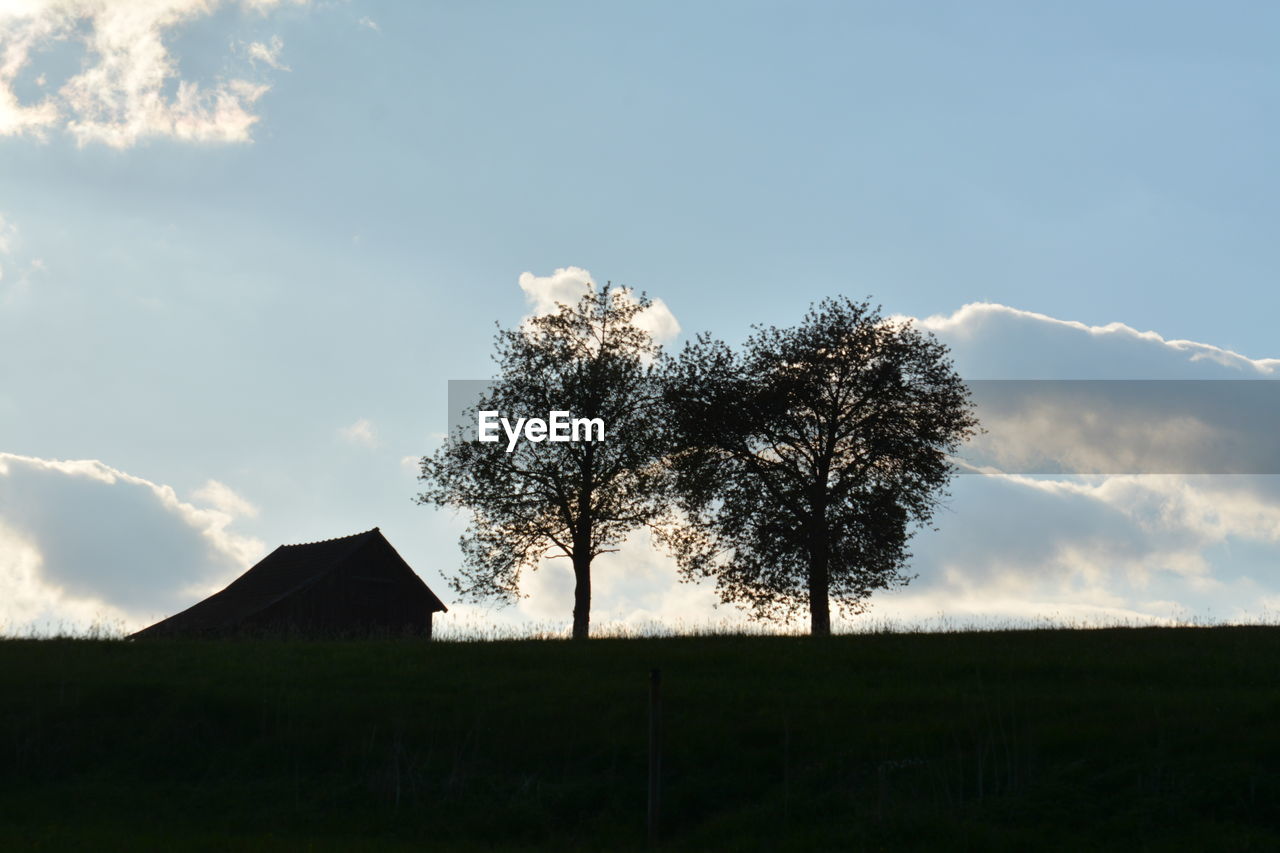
[247, 244]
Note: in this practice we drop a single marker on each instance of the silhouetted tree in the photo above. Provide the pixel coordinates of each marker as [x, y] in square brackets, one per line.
[574, 499]
[809, 456]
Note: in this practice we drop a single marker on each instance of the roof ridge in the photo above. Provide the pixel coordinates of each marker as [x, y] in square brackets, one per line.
[334, 539]
[309, 579]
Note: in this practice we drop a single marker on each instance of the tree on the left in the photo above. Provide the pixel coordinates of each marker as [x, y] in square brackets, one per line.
[570, 499]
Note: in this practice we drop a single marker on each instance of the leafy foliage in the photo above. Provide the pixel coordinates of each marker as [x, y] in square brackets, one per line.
[809, 456]
[570, 499]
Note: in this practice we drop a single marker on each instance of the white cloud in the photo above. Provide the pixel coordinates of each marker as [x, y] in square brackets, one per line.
[1016, 549]
[1088, 549]
[267, 52]
[369, 23]
[993, 341]
[1143, 547]
[264, 6]
[1010, 549]
[658, 321]
[568, 284]
[1134, 548]
[1164, 426]
[544, 293]
[634, 590]
[221, 497]
[119, 96]
[8, 235]
[15, 270]
[361, 432]
[1155, 427]
[81, 541]
[32, 604]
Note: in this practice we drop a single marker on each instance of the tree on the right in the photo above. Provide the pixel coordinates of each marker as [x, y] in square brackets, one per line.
[809, 457]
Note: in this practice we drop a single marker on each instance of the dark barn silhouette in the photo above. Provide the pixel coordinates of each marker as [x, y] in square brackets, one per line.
[349, 587]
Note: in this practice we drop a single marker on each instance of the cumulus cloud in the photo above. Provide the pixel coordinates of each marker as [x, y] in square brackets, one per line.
[1089, 549]
[81, 541]
[1122, 546]
[1131, 548]
[129, 87]
[1047, 392]
[568, 284]
[362, 432]
[1132, 544]
[1010, 550]
[1137, 426]
[993, 341]
[1117, 547]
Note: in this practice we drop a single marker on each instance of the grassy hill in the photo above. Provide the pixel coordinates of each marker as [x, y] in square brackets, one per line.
[1125, 739]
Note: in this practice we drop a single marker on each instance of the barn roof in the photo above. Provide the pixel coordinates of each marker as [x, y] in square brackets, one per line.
[284, 572]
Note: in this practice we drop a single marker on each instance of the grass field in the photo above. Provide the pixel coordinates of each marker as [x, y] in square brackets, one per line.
[1123, 739]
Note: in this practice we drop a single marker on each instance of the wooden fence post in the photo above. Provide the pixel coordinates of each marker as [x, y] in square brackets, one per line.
[655, 753]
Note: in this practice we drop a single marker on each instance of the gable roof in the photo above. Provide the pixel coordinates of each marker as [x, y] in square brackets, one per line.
[282, 573]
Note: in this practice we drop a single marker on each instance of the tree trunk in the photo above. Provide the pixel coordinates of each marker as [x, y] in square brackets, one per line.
[819, 587]
[581, 594]
[582, 550]
[819, 603]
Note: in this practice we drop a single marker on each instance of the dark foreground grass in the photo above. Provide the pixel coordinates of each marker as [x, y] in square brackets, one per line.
[1123, 739]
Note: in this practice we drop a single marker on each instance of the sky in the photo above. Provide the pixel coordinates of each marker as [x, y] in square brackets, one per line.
[245, 245]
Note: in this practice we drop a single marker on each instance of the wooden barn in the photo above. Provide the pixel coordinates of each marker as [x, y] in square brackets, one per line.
[356, 586]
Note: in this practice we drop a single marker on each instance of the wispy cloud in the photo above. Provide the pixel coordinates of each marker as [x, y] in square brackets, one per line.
[15, 270]
[8, 234]
[362, 432]
[267, 52]
[121, 95]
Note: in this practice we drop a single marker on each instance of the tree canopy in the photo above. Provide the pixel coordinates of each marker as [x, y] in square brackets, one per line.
[571, 499]
[808, 457]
